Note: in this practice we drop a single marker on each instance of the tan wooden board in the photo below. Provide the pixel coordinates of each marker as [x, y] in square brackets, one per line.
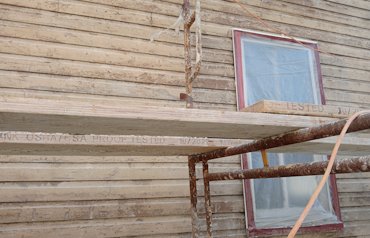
[233, 160]
[107, 72]
[352, 145]
[109, 87]
[343, 72]
[354, 185]
[105, 56]
[59, 144]
[160, 20]
[354, 199]
[60, 27]
[28, 143]
[87, 118]
[26, 172]
[346, 85]
[119, 227]
[73, 171]
[89, 210]
[112, 130]
[304, 109]
[353, 97]
[36, 96]
[329, 7]
[332, 95]
[108, 190]
[241, 233]
[296, 24]
[219, 29]
[355, 213]
[73, 7]
[105, 41]
[357, 229]
[275, 5]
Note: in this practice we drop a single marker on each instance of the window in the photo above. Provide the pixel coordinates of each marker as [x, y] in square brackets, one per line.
[276, 68]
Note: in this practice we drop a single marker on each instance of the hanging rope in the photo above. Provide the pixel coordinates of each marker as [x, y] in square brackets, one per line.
[325, 177]
[176, 26]
[198, 43]
[191, 72]
[186, 18]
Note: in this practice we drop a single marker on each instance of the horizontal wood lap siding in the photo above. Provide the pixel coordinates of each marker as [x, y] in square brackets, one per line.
[98, 51]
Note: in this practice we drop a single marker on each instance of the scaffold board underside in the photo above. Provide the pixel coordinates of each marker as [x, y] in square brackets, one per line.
[55, 128]
[34, 143]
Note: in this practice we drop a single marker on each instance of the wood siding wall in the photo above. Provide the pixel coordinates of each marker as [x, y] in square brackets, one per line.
[99, 51]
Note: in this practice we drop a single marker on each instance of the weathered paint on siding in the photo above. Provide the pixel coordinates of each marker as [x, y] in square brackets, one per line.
[99, 51]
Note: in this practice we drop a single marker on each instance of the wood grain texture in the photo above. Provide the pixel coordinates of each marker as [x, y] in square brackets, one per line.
[117, 228]
[304, 109]
[90, 58]
[74, 7]
[65, 69]
[53, 116]
[23, 143]
[91, 210]
[58, 144]
[109, 87]
[106, 190]
[355, 144]
[106, 41]
[233, 160]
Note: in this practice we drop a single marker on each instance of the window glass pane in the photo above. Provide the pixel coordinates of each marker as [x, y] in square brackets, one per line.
[267, 186]
[283, 71]
[278, 71]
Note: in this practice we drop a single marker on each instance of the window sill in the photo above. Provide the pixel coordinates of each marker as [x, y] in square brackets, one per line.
[327, 228]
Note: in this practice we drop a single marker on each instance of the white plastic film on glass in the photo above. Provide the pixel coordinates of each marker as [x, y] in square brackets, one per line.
[283, 71]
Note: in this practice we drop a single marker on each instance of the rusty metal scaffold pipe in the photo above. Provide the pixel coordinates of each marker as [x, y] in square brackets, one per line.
[193, 198]
[297, 136]
[350, 165]
[188, 21]
[207, 199]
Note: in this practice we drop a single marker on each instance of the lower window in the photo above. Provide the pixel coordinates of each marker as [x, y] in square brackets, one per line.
[278, 202]
[272, 67]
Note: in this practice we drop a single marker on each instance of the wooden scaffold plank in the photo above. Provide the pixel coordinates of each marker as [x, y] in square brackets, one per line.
[87, 118]
[303, 109]
[36, 143]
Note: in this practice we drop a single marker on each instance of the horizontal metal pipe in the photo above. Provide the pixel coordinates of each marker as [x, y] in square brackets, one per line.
[330, 129]
[350, 165]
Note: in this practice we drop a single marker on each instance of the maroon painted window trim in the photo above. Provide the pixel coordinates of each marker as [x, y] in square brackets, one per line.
[252, 229]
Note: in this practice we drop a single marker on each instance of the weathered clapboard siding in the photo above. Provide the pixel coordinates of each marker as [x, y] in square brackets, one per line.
[106, 190]
[50, 96]
[108, 87]
[90, 210]
[106, 72]
[351, 10]
[10, 172]
[84, 54]
[354, 199]
[74, 37]
[98, 51]
[118, 227]
[324, 69]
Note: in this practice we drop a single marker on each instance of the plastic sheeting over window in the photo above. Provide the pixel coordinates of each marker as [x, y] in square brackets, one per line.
[283, 71]
[278, 202]
[279, 71]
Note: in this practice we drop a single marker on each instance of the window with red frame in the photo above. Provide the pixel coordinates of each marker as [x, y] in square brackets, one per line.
[273, 67]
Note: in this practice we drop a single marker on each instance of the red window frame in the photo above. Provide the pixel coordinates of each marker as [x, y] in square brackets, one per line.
[252, 229]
